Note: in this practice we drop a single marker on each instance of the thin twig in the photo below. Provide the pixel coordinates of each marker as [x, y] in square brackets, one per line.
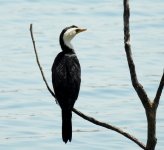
[37, 60]
[159, 92]
[90, 119]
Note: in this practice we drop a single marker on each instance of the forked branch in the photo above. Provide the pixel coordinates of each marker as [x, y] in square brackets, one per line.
[150, 107]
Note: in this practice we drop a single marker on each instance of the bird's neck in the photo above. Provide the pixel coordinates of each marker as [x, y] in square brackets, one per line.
[68, 44]
[67, 47]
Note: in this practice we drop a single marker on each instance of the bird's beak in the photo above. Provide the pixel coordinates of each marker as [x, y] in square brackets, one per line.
[80, 30]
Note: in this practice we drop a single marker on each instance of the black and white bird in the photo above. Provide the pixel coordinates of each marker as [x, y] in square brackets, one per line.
[66, 78]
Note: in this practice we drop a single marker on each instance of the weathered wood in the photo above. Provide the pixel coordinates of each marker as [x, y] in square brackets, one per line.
[150, 107]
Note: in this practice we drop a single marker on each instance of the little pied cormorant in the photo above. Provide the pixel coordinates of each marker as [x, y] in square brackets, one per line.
[66, 78]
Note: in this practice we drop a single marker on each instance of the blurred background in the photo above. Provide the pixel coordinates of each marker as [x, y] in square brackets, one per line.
[29, 116]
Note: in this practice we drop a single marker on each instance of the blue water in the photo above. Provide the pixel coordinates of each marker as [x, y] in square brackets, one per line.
[29, 116]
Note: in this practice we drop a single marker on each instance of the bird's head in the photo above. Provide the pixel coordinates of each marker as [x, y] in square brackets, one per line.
[67, 35]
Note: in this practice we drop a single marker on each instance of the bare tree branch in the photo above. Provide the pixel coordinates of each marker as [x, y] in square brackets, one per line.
[137, 86]
[150, 107]
[37, 60]
[108, 126]
[159, 92]
[90, 119]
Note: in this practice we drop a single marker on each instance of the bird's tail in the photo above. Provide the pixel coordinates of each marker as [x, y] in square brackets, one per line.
[66, 125]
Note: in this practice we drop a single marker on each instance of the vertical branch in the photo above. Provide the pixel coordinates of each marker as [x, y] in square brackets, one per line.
[150, 107]
[126, 22]
[151, 128]
[137, 86]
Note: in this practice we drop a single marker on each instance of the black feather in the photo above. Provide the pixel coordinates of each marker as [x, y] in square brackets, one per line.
[66, 79]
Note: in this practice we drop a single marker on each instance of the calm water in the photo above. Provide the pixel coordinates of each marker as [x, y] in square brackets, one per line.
[29, 117]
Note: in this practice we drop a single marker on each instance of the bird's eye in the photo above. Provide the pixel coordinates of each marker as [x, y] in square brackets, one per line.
[77, 30]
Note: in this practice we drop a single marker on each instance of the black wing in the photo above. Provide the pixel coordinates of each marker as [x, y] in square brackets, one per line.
[66, 79]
